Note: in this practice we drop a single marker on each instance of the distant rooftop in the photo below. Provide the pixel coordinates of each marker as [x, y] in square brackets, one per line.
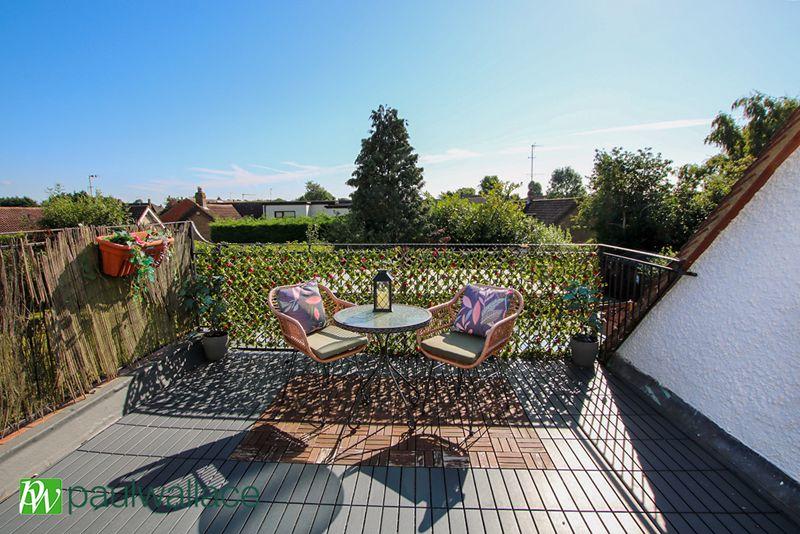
[551, 210]
[14, 219]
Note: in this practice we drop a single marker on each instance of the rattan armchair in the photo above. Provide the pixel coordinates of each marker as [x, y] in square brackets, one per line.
[473, 350]
[321, 350]
[498, 336]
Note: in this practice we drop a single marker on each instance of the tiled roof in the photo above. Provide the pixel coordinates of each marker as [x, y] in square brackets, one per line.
[139, 210]
[783, 144]
[551, 210]
[136, 211]
[19, 219]
[223, 211]
[183, 209]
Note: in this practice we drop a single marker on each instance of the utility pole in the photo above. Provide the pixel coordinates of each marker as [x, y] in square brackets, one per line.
[92, 177]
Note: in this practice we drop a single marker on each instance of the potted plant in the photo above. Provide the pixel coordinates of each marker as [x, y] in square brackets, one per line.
[582, 301]
[126, 253]
[203, 296]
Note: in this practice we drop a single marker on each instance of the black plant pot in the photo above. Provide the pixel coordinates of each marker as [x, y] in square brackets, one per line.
[215, 345]
[584, 350]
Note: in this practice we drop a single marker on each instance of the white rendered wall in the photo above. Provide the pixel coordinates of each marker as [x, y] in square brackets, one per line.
[317, 209]
[300, 209]
[728, 341]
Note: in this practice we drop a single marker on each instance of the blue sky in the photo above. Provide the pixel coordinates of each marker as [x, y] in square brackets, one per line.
[258, 97]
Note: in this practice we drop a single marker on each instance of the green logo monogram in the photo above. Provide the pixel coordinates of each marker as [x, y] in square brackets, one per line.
[40, 496]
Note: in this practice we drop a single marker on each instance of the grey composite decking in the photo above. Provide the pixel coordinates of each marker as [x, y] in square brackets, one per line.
[619, 467]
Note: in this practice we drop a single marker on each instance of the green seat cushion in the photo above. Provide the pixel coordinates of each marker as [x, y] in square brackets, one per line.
[455, 346]
[332, 340]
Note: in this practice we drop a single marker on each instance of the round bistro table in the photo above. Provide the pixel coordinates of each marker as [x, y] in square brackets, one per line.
[365, 320]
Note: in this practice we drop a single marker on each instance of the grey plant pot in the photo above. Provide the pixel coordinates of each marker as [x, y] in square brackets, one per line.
[584, 353]
[215, 347]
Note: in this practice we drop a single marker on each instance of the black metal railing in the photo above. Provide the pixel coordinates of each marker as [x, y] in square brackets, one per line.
[632, 283]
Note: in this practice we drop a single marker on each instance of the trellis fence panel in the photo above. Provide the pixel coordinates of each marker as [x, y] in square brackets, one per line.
[424, 276]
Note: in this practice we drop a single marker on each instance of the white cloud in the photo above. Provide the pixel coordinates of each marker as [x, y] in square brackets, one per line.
[238, 175]
[452, 154]
[163, 185]
[650, 126]
[5, 182]
[300, 165]
[273, 169]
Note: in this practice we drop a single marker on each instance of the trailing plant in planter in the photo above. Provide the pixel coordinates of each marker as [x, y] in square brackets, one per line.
[203, 295]
[126, 253]
[582, 302]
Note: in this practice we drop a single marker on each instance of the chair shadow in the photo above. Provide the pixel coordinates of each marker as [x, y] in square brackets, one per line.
[439, 504]
[191, 478]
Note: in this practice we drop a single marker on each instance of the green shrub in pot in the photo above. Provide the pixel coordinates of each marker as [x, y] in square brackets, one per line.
[582, 302]
[203, 295]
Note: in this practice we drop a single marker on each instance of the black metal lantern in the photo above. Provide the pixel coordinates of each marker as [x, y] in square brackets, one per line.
[382, 291]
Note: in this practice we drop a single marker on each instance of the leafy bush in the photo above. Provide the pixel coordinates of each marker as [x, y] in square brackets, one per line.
[341, 229]
[201, 296]
[67, 210]
[498, 220]
[8, 238]
[582, 302]
[250, 230]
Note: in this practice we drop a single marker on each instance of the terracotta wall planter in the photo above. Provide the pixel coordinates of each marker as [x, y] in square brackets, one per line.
[115, 258]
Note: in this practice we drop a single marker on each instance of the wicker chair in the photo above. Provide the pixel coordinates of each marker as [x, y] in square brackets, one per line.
[324, 346]
[462, 351]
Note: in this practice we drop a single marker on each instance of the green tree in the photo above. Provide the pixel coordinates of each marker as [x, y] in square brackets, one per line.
[387, 201]
[66, 210]
[17, 202]
[629, 204]
[699, 189]
[535, 189]
[489, 183]
[315, 191]
[565, 182]
[494, 184]
[460, 192]
[763, 116]
[498, 220]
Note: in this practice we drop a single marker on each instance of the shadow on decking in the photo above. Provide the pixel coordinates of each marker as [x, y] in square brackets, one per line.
[605, 417]
[589, 421]
[171, 484]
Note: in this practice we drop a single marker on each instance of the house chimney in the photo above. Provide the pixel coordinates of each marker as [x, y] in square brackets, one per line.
[200, 197]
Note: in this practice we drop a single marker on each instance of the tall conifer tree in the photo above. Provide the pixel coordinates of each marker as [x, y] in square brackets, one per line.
[387, 201]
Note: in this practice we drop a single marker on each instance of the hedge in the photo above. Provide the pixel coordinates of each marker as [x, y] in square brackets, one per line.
[250, 230]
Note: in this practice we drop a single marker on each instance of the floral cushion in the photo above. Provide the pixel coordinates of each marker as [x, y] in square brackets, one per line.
[481, 308]
[303, 303]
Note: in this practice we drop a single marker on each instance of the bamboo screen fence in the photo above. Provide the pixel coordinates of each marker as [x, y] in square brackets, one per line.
[65, 327]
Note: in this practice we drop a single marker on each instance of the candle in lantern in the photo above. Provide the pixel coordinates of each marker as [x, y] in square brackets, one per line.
[382, 291]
